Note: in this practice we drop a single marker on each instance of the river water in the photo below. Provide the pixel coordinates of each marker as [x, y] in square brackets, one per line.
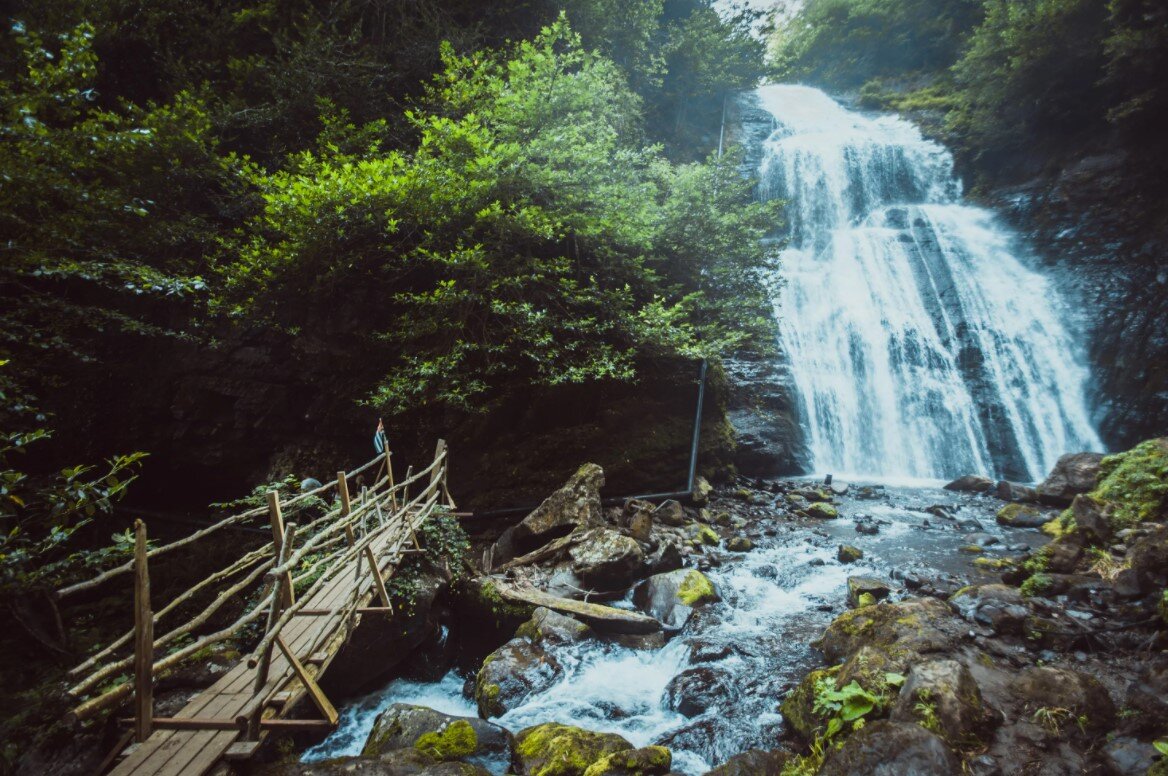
[920, 342]
[775, 600]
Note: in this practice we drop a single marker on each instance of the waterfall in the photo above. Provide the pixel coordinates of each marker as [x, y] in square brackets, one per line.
[920, 345]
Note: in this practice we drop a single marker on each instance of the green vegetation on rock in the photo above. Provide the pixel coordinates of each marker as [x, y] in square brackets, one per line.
[696, 589]
[553, 749]
[1135, 484]
[648, 761]
[458, 740]
[822, 510]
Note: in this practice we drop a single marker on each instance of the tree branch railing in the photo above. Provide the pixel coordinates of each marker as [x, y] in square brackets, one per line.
[383, 515]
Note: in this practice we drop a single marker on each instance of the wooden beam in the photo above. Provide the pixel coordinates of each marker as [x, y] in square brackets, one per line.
[277, 520]
[144, 638]
[241, 750]
[223, 724]
[265, 659]
[314, 692]
[378, 580]
[332, 612]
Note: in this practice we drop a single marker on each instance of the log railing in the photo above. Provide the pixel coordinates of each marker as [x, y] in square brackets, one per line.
[364, 535]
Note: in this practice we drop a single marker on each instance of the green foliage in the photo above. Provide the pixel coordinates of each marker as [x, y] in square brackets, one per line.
[40, 514]
[1036, 584]
[530, 236]
[845, 43]
[1135, 484]
[849, 704]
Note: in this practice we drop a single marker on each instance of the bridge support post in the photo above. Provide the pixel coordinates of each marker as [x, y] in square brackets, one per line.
[277, 519]
[265, 660]
[143, 639]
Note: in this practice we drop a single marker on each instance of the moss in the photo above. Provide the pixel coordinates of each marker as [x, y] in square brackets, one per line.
[634, 762]
[973, 549]
[1164, 607]
[822, 511]
[993, 564]
[1010, 513]
[1135, 484]
[458, 740]
[1035, 584]
[696, 589]
[1038, 560]
[865, 599]
[706, 535]
[487, 698]
[552, 749]
[1060, 526]
[798, 708]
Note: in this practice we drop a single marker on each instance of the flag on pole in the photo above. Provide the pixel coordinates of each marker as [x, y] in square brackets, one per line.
[379, 440]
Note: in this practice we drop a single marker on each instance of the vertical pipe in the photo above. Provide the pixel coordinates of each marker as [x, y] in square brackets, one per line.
[697, 432]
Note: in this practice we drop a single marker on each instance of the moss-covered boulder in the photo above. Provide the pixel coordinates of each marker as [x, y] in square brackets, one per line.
[849, 554]
[1021, 516]
[865, 591]
[440, 737]
[822, 511]
[942, 696]
[1073, 474]
[549, 627]
[703, 534]
[511, 673]
[873, 669]
[553, 749]
[647, 761]
[919, 625]
[672, 597]
[1135, 483]
[740, 544]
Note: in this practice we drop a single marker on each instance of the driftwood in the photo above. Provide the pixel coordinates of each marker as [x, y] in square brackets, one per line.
[548, 550]
[603, 618]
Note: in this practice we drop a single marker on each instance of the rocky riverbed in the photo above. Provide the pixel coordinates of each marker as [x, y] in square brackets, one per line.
[804, 628]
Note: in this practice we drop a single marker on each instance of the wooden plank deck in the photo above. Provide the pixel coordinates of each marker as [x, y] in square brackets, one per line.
[174, 752]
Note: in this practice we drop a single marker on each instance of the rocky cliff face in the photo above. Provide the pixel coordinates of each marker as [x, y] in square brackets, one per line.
[1104, 237]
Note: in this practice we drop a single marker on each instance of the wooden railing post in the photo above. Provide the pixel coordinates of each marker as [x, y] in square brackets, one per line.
[279, 582]
[277, 519]
[439, 473]
[144, 638]
[389, 473]
[378, 580]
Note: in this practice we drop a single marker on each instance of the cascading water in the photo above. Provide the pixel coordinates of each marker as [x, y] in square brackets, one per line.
[919, 345]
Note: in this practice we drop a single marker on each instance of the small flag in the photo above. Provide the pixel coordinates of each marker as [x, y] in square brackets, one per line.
[379, 440]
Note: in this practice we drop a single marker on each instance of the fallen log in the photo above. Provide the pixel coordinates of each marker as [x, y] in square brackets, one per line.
[602, 618]
[547, 551]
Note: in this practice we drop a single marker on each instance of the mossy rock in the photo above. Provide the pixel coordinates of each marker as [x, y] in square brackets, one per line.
[514, 671]
[754, 762]
[919, 625]
[869, 667]
[703, 534]
[822, 511]
[798, 708]
[439, 737]
[1020, 516]
[553, 749]
[648, 761]
[696, 589]
[994, 564]
[849, 554]
[1135, 484]
[972, 549]
[740, 544]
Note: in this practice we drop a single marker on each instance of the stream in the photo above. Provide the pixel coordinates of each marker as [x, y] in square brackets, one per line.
[754, 643]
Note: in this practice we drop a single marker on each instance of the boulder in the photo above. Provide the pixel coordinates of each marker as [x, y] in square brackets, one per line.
[672, 597]
[754, 762]
[702, 490]
[670, 513]
[1012, 491]
[920, 625]
[609, 561]
[647, 761]
[550, 627]
[822, 511]
[1073, 474]
[971, 483]
[1090, 708]
[859, 587]
[869, 667]
[1021, 516]
[886, 748]
[1091, 520]
[703, 534]
[574, 505]
[608, 619]
[553, 749]
[667, 557]
[1062, 555]
[398, 762]
[694, 690]
[1148, 559]
[739, 544]
[511, 673]
[942, 696]
[849, 554]
[440, 736]
[1001, 607]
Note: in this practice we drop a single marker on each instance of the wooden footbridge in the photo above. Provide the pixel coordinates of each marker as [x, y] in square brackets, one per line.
[310, 587]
